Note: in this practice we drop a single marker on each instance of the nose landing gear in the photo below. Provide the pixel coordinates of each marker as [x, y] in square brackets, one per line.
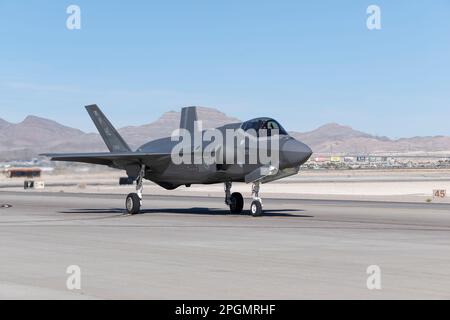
[133, 203]
[256, 207]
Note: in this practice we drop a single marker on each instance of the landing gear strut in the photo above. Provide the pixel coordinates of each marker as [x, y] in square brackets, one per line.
[256, 207]
[234, 200]
[134, 200]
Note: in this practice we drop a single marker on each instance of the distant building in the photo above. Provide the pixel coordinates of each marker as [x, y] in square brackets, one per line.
[361, 159]
[23, 172]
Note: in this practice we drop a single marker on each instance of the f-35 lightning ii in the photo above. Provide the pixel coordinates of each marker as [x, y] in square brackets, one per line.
[154, 160]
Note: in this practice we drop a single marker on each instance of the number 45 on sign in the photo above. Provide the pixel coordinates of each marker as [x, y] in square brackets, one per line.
[439, 193]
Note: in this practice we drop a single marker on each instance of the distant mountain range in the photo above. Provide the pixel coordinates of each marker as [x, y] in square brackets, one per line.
[334, 138]
[34, 135]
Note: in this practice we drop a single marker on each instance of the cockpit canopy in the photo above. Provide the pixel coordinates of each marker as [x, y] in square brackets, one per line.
[264, 124]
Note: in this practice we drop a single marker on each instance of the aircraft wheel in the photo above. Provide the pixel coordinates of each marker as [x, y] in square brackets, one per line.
[236, 203]
[256, 208]
[133, 203]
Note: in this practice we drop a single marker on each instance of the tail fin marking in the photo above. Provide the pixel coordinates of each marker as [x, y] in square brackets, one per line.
[112, 138]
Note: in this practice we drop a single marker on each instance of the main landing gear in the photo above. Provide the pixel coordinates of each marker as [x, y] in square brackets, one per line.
[236, 202]
[134, 200]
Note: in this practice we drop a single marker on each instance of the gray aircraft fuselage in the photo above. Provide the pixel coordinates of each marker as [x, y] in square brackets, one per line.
[293, 154]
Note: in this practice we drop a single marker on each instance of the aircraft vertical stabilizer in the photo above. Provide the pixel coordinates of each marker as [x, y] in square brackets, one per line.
[188, 118]
[112, 138]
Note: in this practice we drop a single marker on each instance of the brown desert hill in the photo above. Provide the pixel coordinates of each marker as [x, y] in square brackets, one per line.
[3, 123]
[331, 131]
[335, 138]
[35, 131]
[35, 135]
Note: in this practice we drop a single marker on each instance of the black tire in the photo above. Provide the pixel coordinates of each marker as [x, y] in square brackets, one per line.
[236, 203]
[256, 208]
[133, 203]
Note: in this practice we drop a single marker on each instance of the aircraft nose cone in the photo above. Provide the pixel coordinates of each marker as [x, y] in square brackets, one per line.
[295, 153]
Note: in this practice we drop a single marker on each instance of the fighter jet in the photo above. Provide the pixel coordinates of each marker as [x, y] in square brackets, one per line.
[154, 160]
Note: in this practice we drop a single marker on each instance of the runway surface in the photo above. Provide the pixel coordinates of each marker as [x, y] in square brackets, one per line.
[191, 248]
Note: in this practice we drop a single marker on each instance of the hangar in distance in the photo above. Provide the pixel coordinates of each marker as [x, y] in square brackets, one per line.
[257, 151]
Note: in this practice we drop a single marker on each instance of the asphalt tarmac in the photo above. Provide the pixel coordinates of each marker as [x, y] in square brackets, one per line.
[191, 248]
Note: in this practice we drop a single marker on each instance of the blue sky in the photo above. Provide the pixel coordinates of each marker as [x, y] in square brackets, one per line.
[305, 63]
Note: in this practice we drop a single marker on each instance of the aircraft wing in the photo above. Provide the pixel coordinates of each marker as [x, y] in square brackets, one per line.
[115, 159]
